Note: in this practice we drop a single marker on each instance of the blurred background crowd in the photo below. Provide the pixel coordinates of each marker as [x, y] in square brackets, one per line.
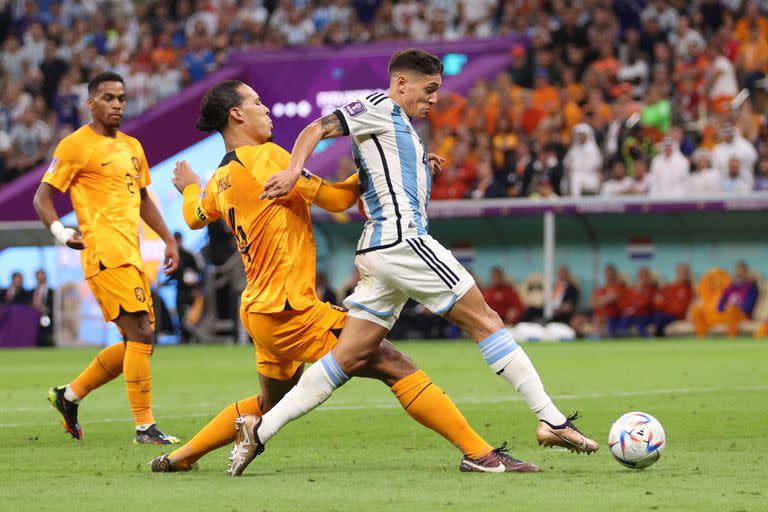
[646, 305]
[608, 98]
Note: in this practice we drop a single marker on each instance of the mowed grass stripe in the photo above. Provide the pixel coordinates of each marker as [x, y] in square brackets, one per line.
[393, 405]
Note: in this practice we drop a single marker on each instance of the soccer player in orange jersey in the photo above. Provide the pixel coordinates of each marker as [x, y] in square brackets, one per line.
[289, 325]
[107, 173]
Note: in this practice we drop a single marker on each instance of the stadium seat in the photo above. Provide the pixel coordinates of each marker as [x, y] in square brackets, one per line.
[532, 291]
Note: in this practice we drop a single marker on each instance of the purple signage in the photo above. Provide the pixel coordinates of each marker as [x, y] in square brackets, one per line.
[299, 85]
[307, 84]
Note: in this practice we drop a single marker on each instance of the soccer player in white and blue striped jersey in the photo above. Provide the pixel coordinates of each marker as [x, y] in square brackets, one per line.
[397, 258]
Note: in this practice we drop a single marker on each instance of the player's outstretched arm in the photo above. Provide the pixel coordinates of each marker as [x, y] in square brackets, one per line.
[43, 204]
[338, 197]
[151, 215]
[281, 183]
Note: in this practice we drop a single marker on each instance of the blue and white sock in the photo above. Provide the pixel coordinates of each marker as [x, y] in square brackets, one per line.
[317, 383]
[508, 360]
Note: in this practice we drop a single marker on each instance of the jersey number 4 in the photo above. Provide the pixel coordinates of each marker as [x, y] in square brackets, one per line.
[239, 232]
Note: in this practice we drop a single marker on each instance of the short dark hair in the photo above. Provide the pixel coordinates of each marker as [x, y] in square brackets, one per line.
[214, 109]
[106, 76]
[413, 59]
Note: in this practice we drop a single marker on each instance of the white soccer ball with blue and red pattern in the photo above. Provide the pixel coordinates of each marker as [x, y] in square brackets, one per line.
[637, 440]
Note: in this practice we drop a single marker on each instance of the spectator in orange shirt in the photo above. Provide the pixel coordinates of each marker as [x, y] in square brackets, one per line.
[693, 67]
[605, 303]
[480, 112]
[752, 57]
[636, 303]
[442, 142]
[606, 64]
[464, 162]
[601, 113]
[164, 51]
[448, 185]
[672, 301]
[448, 111]
[545, 96]
[504, 143]
[502, 297]
[530, 113]
[751, 16]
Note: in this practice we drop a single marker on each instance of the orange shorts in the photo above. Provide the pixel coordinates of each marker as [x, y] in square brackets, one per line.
[122, 289]
[286, 340]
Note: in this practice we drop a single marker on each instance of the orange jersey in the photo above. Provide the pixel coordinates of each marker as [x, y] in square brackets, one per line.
[106, 176]
[274, 236]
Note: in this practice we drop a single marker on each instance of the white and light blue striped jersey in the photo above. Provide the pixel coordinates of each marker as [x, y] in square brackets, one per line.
[394, 174]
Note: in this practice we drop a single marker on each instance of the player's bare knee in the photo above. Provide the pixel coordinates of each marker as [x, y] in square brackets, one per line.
[492, 322]
[354, 363]
[144, 334]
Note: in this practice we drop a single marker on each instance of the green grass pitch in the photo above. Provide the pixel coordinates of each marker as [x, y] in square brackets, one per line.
[360, 451]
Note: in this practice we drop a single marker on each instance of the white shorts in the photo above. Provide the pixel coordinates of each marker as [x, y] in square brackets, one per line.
[419, 268]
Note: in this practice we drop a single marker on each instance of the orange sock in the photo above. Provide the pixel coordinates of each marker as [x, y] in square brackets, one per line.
[107, 365]
[138, 381]
[430, 406]
[219, 432]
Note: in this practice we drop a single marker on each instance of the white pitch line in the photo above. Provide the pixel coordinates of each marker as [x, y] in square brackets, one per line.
[458, 400]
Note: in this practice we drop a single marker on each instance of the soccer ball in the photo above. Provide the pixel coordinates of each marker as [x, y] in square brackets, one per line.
[637, 440]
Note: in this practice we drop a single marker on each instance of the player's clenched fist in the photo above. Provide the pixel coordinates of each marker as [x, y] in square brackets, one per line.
[183, 175]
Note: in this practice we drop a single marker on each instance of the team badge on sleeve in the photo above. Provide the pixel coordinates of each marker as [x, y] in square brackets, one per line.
[355, 108]
[54, 164]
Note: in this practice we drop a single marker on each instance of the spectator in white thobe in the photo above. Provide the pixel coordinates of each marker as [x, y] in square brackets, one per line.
[669, 172]
[734, 182]
[734, 145]
[583, 162]
[705, 179]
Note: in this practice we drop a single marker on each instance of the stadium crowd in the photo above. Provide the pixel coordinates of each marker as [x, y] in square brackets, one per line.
[615, 98]
[606, 94]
